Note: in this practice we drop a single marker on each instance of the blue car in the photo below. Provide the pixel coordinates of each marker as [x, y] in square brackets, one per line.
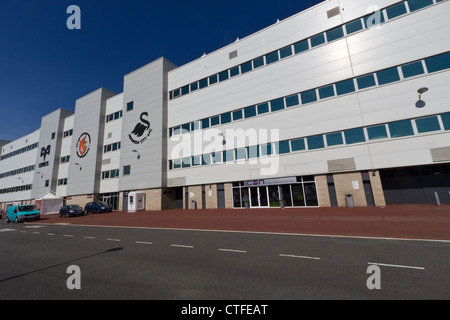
[73, 210]
[22, 213]
[97, 207]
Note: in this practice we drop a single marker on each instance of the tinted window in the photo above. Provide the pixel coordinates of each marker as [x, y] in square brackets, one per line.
[196, 160]
[353, 26]
[301, 46]
[194, 86]
[285, 52]
[228, 155]
[266, 150]
[428, 124]
[412, 69]
[276, 105]
[258, 62]
[317, 40]
[250, 111]
[308, 96]
[203, 83]
[374, 19]
[205, 123]
[366, 81]
[377, 132]
[401, 129]
[272, 57]
[186, 162]
[344, 87]
[225, 118]
[335, 34]
[439, 62]
[234, 71]
[446, 120]
[263, 108]
[223, 75]
[246, 67]
[419, 4]
[388, 76]
[292, 101]
[282, 147]
[354, 136]
[396, 10]
[298, 144]
[240, 154]
[315, 142]
[237, 115]
[334, 139]
[185, 90]
[326, 92]
[215, 121]
[216, 157]
[253, 152]
[206, 159]
[212, 79]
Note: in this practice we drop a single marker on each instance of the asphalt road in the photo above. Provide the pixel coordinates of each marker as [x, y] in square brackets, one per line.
[138, 263]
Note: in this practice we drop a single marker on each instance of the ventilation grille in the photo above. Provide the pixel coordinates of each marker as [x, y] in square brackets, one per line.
[233, 54]
[333, 12]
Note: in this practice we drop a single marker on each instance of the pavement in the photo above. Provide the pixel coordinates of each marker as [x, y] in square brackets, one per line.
[428, 222]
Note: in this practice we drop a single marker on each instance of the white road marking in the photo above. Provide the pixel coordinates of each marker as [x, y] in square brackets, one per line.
[89, 238]
[35, 232]
[300, 257]
[143, 242]
[233, 250]
[7, 230]
[181, 246]
[34, 227]
[69, 235]
[396, 266]
[117, 240]
[50, 234]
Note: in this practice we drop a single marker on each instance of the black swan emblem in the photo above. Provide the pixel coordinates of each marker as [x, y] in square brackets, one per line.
[141, 127]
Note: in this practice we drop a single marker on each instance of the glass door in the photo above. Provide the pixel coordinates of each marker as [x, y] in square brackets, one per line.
[258, 197]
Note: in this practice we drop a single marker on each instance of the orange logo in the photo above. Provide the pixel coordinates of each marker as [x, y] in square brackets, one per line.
[83, 145]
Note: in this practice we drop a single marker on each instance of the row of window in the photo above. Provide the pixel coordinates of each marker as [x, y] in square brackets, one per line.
[111, 174]
[16, 189]
[114, 116]
[65, 159]
[62, 182]
[390, 130]
[111, 147]
[20, 151]
[16, 171]
[339, 32]
[394, 74]
[68, 133]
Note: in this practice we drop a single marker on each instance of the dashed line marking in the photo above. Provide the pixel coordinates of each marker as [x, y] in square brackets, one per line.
[233, 250]
[116, 240]
[181, 246]
[396, 266]
[36, 232]
[69, 235]
[299, 257]
[143, 242]
[92, 238]
[50, 234]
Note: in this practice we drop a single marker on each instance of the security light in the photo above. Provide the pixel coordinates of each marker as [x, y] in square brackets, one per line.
[139, 155]
[422, 91]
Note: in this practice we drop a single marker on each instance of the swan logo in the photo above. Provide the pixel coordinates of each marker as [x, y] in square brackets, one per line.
[83, 145]
[141, 131]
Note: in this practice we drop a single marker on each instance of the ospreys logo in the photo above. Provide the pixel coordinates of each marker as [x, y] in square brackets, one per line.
[83, 145]
[141, 131]
[45, 152]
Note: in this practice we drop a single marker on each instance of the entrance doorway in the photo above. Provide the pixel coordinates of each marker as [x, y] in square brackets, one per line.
[258, 197]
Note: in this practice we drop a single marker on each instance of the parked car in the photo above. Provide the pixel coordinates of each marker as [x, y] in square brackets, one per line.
[22, 213]
[97, 207]
[72, 210]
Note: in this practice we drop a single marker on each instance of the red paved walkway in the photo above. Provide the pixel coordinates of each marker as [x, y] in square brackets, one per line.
[409, 221]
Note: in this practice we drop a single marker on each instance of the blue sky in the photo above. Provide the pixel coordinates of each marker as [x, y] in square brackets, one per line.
[45, 66]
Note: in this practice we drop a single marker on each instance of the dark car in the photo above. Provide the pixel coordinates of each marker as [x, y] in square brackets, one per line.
[97, 207]
[71, 211]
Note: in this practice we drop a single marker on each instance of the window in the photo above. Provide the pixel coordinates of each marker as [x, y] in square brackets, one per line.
[315, 142]
[195, 125]
[292, 101]
[225, 118]
[212, 79]
[205, 123]
[428, 124]
[215, 121]
[196, 161]
[53, 135]
[263, 108]
[130, 105]
[335, 34]
[419, 4]
[272, 57]
[326, 92]
[282, 147]
[285, 52]
[317, 40]
[206, 159]
[298, 144]
[412, 69]
[250, 112]
[185, 128]
[354, 136]
[377, 132]
[126, 170]
[246, 67]
[240, 154]
[334, 139]
[345, 86]
[253, 152]
[438, 63]
[266, 149]
[366, 81]
[47, 183]
[237, 115]
[353, 26]
[308, 96]
[203, 83]
[176, 164]
[258, 62]
[301, 46]
[388, 76]
[186, 162]
[185, 90]
[228, 155]
[223, 75]
[234, 71]
[374, 19]
[396, 10]
[401, 129]
[194, 86]
[277, 104]
[446, 120]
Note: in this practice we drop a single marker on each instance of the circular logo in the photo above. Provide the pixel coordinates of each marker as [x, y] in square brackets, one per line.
[83, 145]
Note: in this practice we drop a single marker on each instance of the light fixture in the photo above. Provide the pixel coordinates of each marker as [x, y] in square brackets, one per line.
[139, 155]
[42, 175]
[421, 103]
[77, 164]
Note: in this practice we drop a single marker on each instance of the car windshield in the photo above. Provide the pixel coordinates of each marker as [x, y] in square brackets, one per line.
[27, 208]
[73, 207]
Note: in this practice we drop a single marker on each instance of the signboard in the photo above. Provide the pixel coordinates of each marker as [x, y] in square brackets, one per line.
[268, 182]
